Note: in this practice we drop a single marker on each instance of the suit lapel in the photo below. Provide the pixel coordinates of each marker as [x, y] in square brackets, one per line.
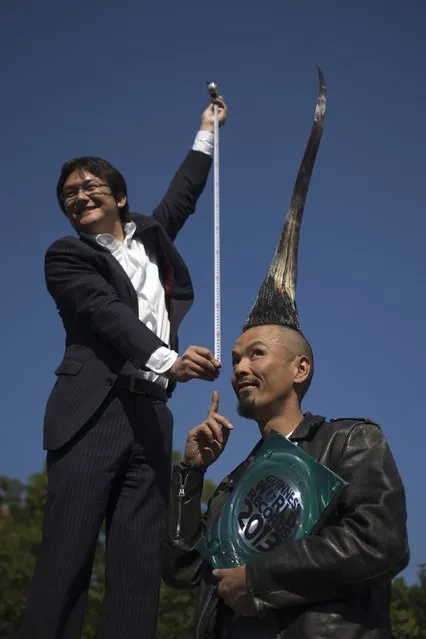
[173, 271]
[117, 269]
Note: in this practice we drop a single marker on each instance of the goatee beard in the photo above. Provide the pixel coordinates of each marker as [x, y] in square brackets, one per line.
[246, 409]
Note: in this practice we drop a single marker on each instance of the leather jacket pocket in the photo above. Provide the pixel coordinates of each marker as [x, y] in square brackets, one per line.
[69, 366]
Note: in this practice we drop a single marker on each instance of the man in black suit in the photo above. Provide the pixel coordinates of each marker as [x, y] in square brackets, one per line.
[121, 289]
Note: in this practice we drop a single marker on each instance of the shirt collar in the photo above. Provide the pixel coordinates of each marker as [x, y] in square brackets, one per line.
[109, 241]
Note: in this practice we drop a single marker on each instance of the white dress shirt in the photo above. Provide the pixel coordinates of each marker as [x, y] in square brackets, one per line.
[142, 269]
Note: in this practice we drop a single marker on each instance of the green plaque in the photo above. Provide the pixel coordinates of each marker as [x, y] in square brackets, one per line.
[284, 494]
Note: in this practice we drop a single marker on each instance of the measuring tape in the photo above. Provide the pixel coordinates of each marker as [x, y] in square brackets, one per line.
[214, 94]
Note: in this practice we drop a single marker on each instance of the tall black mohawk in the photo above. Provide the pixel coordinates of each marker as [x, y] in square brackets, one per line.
[276, 300]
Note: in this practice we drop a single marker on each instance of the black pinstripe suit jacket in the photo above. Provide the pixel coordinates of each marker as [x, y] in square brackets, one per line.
[99, 308]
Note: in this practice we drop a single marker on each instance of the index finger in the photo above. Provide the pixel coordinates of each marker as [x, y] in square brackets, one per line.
[220, 104]
[215, 403]
[204, 352]
[208, 355]
[220, 573]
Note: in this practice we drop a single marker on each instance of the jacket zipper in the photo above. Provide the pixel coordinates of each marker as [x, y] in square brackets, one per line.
[180, 499]
[203, 611]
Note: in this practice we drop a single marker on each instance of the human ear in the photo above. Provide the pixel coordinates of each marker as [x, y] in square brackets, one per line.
[303, 369]
[121, 200]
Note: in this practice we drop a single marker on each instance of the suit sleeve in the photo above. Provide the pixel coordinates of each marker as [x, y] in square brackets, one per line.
[366, 546]
[81, 291]
[182, 195]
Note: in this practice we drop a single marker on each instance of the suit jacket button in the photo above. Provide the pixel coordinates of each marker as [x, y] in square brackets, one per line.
[109, 381]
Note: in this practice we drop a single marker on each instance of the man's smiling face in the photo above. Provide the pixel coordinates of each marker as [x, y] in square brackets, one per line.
[89, 203]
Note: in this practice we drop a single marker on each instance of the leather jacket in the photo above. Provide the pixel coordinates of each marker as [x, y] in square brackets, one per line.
[334, 584]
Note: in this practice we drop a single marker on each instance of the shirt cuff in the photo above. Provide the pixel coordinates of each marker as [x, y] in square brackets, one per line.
[161, 360]
[204, 142]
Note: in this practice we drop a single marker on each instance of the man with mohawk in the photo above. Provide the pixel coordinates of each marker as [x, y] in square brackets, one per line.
[335, 582]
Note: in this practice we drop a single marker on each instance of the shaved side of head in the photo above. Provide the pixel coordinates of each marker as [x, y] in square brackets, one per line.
[298, 346]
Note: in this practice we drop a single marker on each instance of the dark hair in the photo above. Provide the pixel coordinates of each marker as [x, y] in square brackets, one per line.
[100, 168]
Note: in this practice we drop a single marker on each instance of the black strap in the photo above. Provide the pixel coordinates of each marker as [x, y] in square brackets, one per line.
[140, 387]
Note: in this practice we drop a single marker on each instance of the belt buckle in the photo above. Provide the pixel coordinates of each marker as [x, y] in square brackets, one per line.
[132, 386]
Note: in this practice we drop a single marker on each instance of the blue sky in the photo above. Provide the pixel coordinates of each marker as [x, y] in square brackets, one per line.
[126, 81]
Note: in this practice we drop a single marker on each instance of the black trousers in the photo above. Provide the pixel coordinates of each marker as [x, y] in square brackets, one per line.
[116, 469]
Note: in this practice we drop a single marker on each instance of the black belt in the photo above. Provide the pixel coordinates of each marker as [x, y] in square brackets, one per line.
[140, 387]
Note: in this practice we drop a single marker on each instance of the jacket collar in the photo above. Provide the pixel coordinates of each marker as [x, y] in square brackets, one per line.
[304, 431]
[307, 427]
[144, 222]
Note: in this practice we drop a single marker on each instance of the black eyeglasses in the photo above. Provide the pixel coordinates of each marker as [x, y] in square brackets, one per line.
[91, 188]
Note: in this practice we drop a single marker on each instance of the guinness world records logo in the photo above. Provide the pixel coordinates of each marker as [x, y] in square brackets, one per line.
[269, 513]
